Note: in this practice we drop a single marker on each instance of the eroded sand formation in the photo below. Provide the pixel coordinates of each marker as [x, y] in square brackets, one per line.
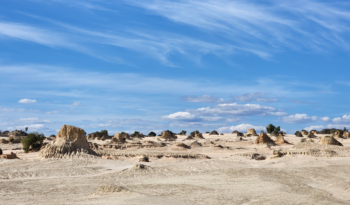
[178, 169]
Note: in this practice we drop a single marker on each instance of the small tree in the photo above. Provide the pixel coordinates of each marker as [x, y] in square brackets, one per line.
[26, 129]
[136, 133]
[104, 132]
[183, 132]
[270, 128]
[32, 139]
[277, 130]
[152, 134]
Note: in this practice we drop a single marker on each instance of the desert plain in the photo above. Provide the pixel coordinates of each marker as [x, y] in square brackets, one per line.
[216, 169]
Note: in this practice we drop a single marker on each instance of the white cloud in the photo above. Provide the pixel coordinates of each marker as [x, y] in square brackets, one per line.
[345, 118]
[249, 97]
[303, 118]
[51, 112]
[238, 109]
[325, 119]
[314, 127]
[196, 125]
[187, 116]
[33, 128]
[179, 116]
[241, 128]
[204, 98]
[34, 120]
[76, 103]
[328, 126]
[25, 100]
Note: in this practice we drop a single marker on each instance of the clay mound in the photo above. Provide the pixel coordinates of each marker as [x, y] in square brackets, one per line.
[15, 138]
[307, 140]
[70, 142]
[179, 147]
[198, 136]
[280, 140]
[168, 136]
[263, 139]
[142, 158]
[240, 134]
[109, 189]
[314, 132]
[4, 141]
[235, 132]
[189, 137]
[252, 132]
[9, 156]
[346, 135]
[304, 132]
[207, 144]
[196, 144]
[150, 144]
[216, 147]
[337, 135]
[298, 134]
[214, 132]
[119, 138]
[329, 140]
[94, 136]
[194, 133]
[133, 144]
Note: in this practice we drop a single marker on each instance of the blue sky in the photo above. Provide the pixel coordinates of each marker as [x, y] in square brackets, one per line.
[178, 65]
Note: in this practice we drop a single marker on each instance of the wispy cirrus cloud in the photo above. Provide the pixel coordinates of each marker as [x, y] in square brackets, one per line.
[33, 120]
[257, 25]
[204, 98]
[86, 4]
[234, 109]
[257, 96]
[157, 44]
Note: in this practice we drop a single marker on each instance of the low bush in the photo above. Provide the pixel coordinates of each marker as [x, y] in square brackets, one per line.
[298, 134]
[152, 134]
[0, 151]
[32, 139]
[136, 133]
[104, 132]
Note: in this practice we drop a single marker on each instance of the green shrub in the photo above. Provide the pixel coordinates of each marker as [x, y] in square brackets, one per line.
[270, 128]
[152, 134]
[136, 133]
[104, 132]
[277, 130]
[183, 132]
[298, 134]
[0, 151]
[31, 139]
[11, 139]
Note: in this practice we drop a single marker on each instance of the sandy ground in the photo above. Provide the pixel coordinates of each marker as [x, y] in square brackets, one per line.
[223, 179]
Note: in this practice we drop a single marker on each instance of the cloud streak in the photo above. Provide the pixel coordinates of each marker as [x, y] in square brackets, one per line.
[257, 25]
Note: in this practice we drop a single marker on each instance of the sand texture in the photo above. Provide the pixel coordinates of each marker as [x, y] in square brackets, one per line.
[223, 170]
